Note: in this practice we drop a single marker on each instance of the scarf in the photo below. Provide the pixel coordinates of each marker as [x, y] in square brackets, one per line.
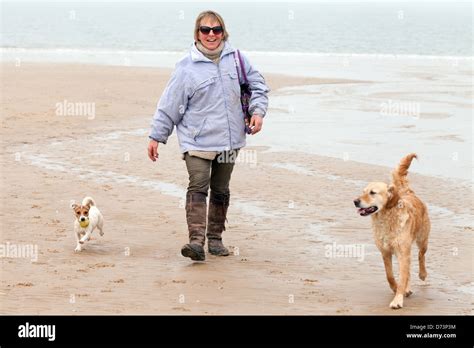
[213, 55]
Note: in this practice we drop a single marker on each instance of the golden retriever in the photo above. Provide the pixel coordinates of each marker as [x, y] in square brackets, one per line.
[399, 218]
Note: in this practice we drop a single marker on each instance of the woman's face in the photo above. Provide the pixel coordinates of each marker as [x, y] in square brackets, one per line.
[211, 41]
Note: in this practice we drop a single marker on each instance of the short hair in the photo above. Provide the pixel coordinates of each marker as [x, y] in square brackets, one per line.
[212, 15]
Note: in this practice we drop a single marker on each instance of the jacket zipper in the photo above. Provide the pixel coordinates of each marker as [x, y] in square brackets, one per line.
[225, 103]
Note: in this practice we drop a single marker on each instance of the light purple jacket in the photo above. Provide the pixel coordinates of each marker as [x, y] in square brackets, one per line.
[202, 99]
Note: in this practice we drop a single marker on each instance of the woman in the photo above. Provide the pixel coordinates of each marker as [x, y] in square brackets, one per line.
[202, 100]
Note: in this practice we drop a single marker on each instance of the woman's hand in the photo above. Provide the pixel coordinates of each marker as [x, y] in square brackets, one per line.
[153, 150]
[256, 123]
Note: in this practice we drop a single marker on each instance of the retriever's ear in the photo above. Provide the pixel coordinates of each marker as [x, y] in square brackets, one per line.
[393, 197]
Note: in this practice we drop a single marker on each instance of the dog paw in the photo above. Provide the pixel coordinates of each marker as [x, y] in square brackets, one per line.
[408, 293]
[397, 302]
[78, 249]
[81, 241]
[422, 275]
[101, 233]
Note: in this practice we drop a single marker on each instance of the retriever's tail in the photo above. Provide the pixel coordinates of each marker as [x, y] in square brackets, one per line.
[88, 201]
[399, 175]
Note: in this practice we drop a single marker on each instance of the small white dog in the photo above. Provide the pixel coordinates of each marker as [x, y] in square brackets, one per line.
[88, 217]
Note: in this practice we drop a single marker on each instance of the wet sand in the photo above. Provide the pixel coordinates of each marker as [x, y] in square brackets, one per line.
[289, 213]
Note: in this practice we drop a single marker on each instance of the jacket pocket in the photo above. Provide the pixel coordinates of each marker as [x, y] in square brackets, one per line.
[203, 86]
[234, 77]
[197, 131]
[234, 87]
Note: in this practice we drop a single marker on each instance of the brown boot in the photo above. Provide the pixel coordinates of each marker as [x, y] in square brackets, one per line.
[196, 209]
[218, 204]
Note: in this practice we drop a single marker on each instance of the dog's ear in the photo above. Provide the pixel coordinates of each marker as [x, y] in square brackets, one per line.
[393, 197]
[74, 206]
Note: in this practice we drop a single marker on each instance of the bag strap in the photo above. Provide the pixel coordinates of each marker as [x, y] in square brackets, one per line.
[242, 68]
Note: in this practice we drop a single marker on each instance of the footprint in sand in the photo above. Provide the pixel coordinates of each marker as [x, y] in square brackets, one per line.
[307, 281]
[344, 310]
[181, 309]
[101, 265]
[25, 284]
[118, 281]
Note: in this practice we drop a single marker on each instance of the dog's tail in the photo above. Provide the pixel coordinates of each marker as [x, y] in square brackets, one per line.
[88, 200]
[399, 175]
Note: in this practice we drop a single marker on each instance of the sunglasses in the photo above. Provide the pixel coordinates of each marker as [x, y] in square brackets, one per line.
[206, 30]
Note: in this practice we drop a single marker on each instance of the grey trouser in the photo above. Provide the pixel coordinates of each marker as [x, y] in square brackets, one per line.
[204, 173]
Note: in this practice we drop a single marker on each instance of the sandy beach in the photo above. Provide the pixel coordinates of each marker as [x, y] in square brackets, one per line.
[290, 211]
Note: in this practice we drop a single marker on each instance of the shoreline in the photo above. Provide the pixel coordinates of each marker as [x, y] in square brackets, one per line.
[250, 52]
